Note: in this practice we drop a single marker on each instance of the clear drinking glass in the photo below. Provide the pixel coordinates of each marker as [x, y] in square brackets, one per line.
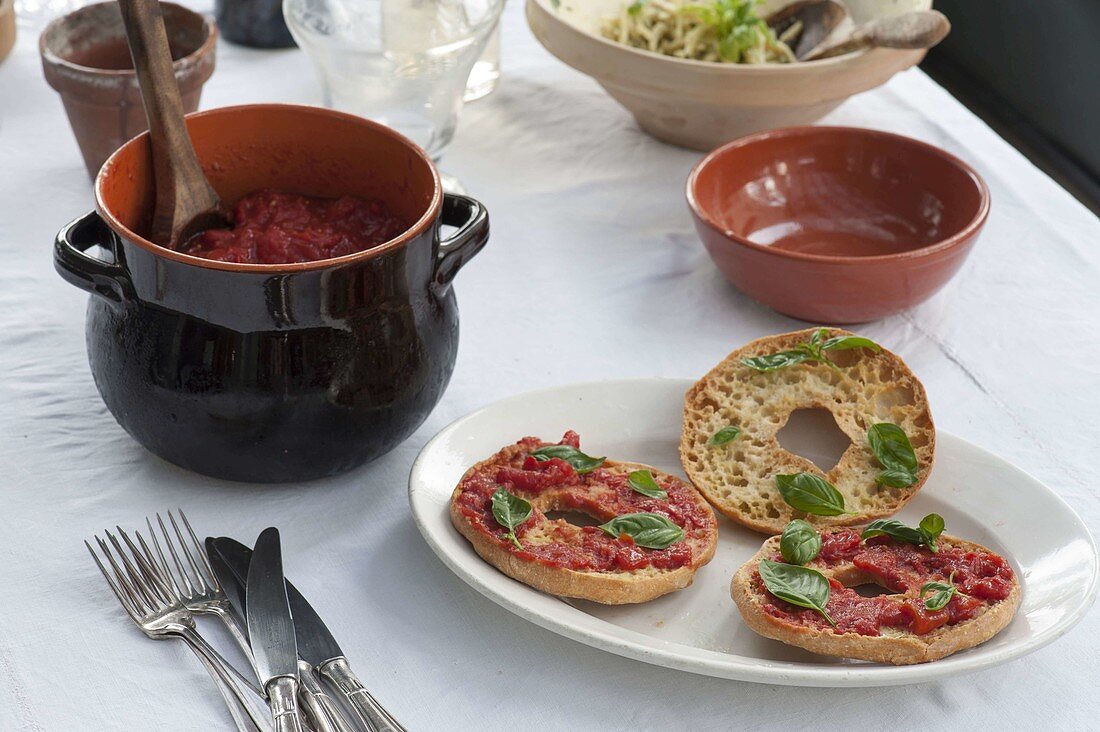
[403, 63]
[486, 72]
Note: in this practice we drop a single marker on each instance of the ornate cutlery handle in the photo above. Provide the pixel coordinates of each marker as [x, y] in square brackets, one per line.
[324, 711]
[245, 693]
[372, 713]
[282, 693]
[240, 716]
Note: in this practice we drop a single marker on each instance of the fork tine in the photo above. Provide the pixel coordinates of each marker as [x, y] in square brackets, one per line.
[190, 589]
[200, 549]
[162, 562]
[152, 598]
[135, 598]
[122, 599]
[153, 580]
[199, 580]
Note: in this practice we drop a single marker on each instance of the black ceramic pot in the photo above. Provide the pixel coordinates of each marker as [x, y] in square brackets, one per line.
[274, 372]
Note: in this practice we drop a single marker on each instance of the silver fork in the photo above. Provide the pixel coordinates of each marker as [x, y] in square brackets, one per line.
[197, 584]
[198, 588]
[155, 608]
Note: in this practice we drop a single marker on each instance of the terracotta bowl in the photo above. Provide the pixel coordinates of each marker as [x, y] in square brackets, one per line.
[836, 224]
[87, 61]
[700, 104]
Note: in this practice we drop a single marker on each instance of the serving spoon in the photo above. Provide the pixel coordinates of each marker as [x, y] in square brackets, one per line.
[917, 29]
[186, 203]
[818, 19]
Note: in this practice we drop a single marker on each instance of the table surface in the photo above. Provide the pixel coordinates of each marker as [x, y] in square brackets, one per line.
[590, 234]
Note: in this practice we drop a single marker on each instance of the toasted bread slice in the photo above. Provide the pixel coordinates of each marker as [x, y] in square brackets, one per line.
[894, 645]
[599, 494]
[739, 478]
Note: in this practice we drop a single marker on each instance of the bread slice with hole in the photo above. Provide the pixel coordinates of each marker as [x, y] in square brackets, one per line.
[612, 587]
[895, 646]
[866, 388]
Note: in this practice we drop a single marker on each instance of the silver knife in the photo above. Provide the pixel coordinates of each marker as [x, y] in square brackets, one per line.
[229, 560]
[271, 631]
[319, 648]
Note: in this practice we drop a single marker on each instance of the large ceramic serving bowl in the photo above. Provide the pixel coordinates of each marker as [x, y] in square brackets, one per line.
[836, 224]
[274, 372]
[700, 104]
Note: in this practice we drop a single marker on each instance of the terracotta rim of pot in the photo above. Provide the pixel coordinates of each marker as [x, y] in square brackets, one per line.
[967, 232]
[191, 59]
[426, 219]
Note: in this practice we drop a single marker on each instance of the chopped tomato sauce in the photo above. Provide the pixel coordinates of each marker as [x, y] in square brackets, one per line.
[981, 578]
[602, 494]
[284, 228]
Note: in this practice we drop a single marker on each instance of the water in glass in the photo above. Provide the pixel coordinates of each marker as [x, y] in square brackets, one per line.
[400, 62]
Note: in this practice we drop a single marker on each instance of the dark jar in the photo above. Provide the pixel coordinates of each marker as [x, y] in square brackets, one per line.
[255, 23]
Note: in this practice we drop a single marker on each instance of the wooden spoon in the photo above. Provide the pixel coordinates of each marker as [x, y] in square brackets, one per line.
[918, 29]
[817, 18]
[185, 201]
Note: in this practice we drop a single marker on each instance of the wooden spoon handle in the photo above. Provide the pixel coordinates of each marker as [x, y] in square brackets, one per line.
[174, 159]
[917, 29]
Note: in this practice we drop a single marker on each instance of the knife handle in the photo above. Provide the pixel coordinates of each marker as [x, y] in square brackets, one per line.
[369, 710]
[282, 695]
[323, 710]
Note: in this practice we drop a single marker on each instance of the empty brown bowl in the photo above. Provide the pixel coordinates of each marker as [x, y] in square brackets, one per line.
[87, 61]
[836, 224]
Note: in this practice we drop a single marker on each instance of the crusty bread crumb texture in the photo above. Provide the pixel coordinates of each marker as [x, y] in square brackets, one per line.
[739, 478]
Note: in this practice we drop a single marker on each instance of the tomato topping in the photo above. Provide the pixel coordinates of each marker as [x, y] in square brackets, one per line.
[981, 578]
[282, 228]
[602, 494]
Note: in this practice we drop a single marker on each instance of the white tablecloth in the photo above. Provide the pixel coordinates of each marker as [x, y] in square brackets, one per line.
[593, 272]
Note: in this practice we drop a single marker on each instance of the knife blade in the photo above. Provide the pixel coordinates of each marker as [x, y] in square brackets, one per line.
[317, 646]
[230, 560]
[271, 631]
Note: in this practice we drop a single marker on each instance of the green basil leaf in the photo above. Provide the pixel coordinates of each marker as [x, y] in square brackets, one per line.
[846, 343]
[510, 511]
[943, 593]
[895, 530]
[724, 436]
[800, 542]
[812, 350]
[581, 463]
[932, 525]
[894, 451]
[651, 530]
[636, 7]
[642, 481]
[809, 493]
[799, 586]
[776, 361]
[896, 478]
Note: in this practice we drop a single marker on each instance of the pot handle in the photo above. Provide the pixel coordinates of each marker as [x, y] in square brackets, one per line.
[108, 280]
[472, 220]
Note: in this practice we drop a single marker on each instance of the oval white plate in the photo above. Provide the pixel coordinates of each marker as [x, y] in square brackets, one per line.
[698, 629]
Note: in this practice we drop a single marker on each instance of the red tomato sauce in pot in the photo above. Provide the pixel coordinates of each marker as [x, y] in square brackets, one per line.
[284, 228]
[602, 494]
[981, 578]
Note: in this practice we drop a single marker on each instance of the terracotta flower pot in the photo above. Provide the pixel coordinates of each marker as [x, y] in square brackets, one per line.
[86, 59]
[7, 27]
